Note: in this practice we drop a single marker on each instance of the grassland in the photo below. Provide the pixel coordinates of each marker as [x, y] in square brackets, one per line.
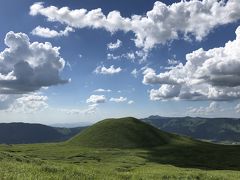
[181, 158]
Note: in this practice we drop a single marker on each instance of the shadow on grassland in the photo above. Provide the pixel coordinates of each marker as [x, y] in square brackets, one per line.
[202, 156]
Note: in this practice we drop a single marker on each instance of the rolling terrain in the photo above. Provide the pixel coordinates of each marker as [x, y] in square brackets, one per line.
[220, 130]
[123, 148]
[217, 130]
[25, 133]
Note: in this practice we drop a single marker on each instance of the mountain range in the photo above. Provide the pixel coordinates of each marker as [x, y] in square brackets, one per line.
[220, 130]
[25, 133]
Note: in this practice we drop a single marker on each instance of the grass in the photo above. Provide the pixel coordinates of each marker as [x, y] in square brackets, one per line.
[59, 161]
[124, 133]
[179, 158]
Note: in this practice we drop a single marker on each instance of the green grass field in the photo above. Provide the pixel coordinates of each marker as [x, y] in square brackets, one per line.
[176, 158]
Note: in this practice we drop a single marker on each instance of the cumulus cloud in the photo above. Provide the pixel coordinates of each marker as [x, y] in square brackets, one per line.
[161, 24]
[213, 107]
[102, 90]
[112, 46]
[166, 91]
[48, 33]
[29, 103]
[118, 100]
[150, 77]
[107, 71]
[96, 99]
[26, 67]
[211, 75]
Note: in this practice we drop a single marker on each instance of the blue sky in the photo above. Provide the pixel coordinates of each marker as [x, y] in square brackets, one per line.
[118, 58]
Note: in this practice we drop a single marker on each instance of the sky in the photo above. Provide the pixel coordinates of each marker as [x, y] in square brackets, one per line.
[80, 61]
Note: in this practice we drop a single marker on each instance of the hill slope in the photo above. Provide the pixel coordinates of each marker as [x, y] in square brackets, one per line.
[213, 129]
[123, 133]
[25, 133]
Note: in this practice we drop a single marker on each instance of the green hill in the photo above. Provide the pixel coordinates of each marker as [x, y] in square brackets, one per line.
[123, 133]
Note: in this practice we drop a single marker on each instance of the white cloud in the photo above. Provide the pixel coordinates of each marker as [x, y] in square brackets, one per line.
[102, 90]
[237, 108]
[130, 56]
[110, 70]
[150, 77]
[118, 100]
[161, 24]
[69, 65]
[48, 33]
[112, 56]
[166, 91]
[211, 75]
[142, 54]
[173, 61]
[26, 67]
[130, 102]
[96, 99]
[3, 97]
[213, 107]
[112, 46]
[91, 109]
[5, 101]
[134, 73]
[29, 103]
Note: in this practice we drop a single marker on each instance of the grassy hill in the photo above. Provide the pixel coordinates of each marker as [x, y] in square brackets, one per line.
[123, 133]
[94, 154]
[25, 133]
[223, 130]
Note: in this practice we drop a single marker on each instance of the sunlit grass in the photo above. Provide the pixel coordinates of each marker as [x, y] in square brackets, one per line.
[175, 158]
[58, 161]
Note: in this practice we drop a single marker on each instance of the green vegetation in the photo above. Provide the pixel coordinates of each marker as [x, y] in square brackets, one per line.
[218, 130]
[81, 157]
[123, 133]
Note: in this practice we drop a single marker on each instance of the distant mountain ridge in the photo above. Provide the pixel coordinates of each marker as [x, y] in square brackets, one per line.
[220, 130]
[212, 129]
[25, 133]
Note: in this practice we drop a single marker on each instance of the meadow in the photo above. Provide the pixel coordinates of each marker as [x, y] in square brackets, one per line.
[182, 158]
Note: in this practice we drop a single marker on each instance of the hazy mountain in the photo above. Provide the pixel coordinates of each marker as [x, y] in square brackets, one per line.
[24, 133]
[213, 129]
